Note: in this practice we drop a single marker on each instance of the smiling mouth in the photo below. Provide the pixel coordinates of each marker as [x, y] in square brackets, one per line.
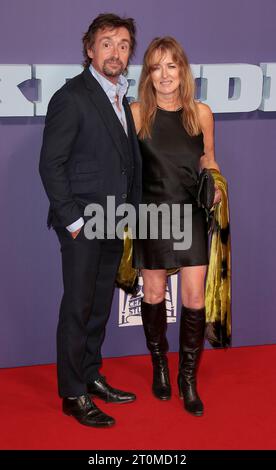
[167, 82]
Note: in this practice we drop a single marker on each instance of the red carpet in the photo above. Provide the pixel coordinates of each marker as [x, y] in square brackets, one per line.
[238, 387]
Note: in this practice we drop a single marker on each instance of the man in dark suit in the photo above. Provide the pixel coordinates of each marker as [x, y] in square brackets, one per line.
[90, 151]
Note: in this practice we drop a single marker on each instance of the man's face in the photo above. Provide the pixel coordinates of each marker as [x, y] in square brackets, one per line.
[110, 52]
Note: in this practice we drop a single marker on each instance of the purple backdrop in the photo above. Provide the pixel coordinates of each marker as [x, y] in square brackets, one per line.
[213, 31]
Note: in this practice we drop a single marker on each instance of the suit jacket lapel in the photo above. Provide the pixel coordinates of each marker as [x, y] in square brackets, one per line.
[132, 133]
[105, 109]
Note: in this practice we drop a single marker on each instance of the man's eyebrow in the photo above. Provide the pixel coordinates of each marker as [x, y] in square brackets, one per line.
[110, 37]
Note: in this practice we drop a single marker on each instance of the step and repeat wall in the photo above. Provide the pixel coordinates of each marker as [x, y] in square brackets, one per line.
[231, 46]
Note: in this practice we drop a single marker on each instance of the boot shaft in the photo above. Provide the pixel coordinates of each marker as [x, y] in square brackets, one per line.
[191, 339]
[154, 318]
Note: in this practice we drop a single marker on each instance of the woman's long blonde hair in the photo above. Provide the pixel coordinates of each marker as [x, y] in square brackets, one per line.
[147, 95]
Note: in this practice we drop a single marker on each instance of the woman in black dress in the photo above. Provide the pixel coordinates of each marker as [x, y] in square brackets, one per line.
[176, 139]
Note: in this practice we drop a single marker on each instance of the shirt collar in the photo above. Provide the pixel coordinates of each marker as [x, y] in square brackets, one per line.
[110, 88]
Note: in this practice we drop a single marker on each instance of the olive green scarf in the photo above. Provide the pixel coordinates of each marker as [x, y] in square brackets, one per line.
[218, 282]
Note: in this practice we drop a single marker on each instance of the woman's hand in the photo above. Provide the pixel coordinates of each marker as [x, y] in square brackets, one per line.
[218, 195]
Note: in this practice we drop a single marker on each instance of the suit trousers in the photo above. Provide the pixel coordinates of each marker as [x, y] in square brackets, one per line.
[89, 270]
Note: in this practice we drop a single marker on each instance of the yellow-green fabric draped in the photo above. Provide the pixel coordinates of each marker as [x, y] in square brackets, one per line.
[218, 281]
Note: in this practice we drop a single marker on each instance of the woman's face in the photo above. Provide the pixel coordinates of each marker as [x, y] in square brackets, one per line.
[165, 73]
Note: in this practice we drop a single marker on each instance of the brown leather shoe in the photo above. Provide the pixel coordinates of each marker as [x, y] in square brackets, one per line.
[86, 412]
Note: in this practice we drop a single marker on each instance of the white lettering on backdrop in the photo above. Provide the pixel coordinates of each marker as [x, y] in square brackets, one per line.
[226, 88]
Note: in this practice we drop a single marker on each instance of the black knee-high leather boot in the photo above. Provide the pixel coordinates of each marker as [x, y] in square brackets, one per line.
[191, 339]
[154, 319]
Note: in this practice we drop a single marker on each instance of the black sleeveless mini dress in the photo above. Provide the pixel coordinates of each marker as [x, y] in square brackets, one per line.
[170, 173]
